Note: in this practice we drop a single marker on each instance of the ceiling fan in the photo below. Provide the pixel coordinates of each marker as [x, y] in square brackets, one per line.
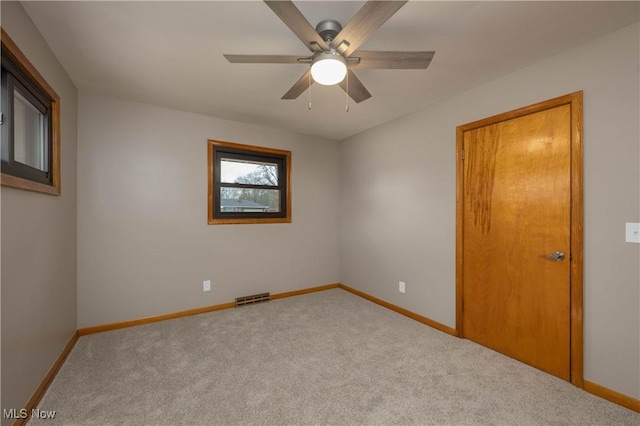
[334, 49]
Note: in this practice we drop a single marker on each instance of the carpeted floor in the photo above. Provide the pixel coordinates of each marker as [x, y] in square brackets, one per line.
[322, 358]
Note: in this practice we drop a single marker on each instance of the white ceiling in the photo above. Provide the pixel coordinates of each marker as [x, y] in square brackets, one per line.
[170, 53]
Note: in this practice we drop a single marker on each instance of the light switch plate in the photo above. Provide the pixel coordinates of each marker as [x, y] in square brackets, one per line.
[633, 233]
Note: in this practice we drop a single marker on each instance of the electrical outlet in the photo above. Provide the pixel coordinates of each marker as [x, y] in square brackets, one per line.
[401, 287]
[206, 285]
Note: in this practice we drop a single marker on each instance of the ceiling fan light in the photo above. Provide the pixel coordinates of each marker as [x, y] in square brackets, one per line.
[329, 68]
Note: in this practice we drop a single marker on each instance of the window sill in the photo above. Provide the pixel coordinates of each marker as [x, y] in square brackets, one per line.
[16, 182]
[249, 221]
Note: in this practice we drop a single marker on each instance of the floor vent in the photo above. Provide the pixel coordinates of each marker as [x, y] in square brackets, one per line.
[250, 300]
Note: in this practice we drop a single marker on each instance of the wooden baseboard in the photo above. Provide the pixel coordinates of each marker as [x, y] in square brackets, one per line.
[403, 311]
[304, 291]
[613, 396]
[132, 323]
[44, 385]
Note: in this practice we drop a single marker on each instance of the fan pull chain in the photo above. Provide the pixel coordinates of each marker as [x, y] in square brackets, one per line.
[347, 94]
[309, 89]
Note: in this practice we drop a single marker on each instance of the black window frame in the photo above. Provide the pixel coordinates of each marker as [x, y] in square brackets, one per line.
[17, 74]
[14, 80]
[219, 150]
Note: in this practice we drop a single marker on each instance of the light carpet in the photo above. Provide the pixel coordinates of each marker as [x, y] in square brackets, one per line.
[323, 358]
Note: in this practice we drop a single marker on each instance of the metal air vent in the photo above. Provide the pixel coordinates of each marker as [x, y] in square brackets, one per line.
[250, 300]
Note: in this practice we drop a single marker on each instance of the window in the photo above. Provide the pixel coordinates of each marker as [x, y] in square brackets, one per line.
[248, 184]
[30, 119]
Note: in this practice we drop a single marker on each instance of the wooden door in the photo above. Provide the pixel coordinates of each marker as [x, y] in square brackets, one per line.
[516, 201]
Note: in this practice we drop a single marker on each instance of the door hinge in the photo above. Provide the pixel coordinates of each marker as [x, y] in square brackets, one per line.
[463, 154]
[1, 118]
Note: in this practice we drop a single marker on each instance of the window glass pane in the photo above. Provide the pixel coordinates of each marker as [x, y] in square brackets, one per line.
[30, 134]
[249, 200]
[256, 173]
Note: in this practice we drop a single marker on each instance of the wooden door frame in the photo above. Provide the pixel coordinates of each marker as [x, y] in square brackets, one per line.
[574, 100]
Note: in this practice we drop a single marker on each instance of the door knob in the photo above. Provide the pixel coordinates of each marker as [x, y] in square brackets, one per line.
[558, 256]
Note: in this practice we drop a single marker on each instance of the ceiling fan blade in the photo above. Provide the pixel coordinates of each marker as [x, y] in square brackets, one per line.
[368, 19]
[293, 18]
[264, 59]
[357, 91]
[391, 60]
[300, 86]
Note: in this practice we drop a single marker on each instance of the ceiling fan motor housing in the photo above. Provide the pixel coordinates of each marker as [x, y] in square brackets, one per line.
[328, 29]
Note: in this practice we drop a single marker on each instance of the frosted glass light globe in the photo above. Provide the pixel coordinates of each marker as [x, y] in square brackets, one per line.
[329, 68]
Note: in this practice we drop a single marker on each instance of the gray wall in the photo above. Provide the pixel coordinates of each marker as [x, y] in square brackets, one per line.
[398, 198]
[144, 245]
[38, 242]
